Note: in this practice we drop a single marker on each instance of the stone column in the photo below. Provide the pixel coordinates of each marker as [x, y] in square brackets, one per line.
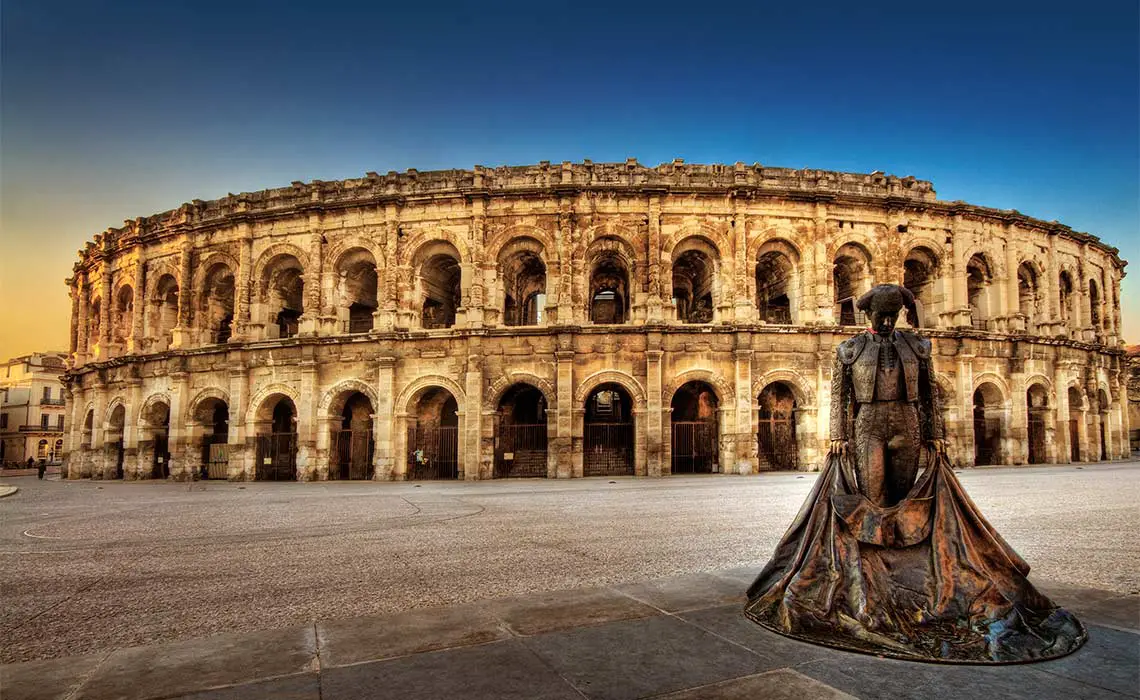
[105, 314]
[747, 459]
[744, 281]
[177, 439]
[966, 407]
[136, 341]
[131, 433]
[819, 275]
[73, 335]
[242, 285]
[95, 456]
[1011, 308]
[308, 468]
[384, 461]
[240, 465]
[563, 446]
[1018, 432]
[960, 300]
[309, 323]
[182, 333]
[472, 462]
[655, 424]
[83, 299]
[73, 435]
[656, 300]
[475, 298]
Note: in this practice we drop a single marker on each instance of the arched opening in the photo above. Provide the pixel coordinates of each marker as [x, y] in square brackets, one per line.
[523, 275]
[776, 434]
[1065, 290]
[988, 407]
[124, 314]
[694, 276]
[212, 417]
[438, 285]
[1027, 295]
[774, 277]
[433, 435]
[608, 432]
[114, 451]
[920, 276]
[521, 433]
[1094, 305]
[851, 275]
[351, 441]
[163, 313]
[609, 289]
[357, 283]
[42, 450]
[1103, 405]
[156, 439]
[217, 304]
[57, 452]
[695, 418]
[276, 428]
[1037, 404]
[1076, 416]
[85, 438]
[94, 324]
[979, 279]
[283, 296]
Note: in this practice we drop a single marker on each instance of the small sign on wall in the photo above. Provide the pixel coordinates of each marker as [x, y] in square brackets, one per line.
[508, 455]
[267, 460]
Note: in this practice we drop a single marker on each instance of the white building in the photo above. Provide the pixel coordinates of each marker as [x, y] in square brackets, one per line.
[32, 408]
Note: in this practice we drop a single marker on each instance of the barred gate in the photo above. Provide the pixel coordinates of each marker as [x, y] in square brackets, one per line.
[608, 449]
[433, 452]
[520, 450]
[351, 452]
[215, 457]
[695, 447]
[1037, 454]
[277, 457]
[776, 438]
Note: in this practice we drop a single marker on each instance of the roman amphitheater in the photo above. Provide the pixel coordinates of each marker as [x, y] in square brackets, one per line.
[569, 320]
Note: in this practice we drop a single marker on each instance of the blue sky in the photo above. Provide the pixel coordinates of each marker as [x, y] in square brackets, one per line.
[111, 112]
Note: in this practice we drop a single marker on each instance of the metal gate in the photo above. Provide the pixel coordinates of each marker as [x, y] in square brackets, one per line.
[694, 447]
[776, 437]
[1037, 454]
[433, 452]
[608, 449]
[215, 457]
[277, 457]
[520, 450]
[351, 452]
[160, 467]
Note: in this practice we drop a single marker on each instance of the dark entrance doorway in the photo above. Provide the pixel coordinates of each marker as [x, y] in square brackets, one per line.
[695, 429]
[1037, 402]
[608, 433]
[433, 436]
[351, 444]
[520, 437]
[277, 450]
[776, 429]
[115, 439]
[1076, 404]
[158, 425]
[987, 425]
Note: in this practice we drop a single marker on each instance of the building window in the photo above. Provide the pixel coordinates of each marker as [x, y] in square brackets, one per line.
[47, 394]
[44, 420]
[3, 420]
[59, 422]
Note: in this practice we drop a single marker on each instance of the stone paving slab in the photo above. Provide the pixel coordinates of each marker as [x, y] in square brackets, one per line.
[649, 639]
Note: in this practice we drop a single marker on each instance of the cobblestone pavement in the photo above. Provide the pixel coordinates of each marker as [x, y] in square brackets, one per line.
[91, 565]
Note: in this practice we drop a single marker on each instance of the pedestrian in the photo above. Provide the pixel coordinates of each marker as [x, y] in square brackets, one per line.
[31, 462]
[43, 468]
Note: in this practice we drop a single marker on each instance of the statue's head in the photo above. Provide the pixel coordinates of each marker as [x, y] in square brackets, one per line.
[882, 305]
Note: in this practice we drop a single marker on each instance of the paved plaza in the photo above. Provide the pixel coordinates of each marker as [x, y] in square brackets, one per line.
[88, 566]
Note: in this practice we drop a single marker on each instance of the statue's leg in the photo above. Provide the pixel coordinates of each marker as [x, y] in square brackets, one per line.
[870, 453]
[905, 450]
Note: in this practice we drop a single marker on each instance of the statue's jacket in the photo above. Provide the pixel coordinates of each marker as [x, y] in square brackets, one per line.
[856, 379]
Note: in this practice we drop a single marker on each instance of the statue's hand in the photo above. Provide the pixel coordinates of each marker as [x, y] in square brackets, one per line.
[939, 447]
[839, 447]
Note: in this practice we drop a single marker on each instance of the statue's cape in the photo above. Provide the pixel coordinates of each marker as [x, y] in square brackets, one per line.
[927, 579]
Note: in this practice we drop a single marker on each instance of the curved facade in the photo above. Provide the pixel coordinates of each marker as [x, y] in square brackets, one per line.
[573, 319]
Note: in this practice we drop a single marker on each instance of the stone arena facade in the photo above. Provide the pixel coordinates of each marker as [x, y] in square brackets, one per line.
[573, 319]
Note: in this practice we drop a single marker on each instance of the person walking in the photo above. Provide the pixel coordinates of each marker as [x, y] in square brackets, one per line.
[43, 468]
